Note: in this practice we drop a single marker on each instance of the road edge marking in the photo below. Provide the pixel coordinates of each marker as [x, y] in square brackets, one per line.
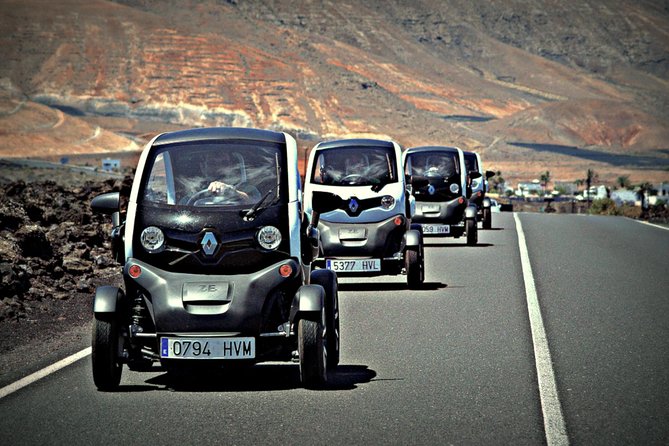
[23, 382]
[650, 224]
[554, 425]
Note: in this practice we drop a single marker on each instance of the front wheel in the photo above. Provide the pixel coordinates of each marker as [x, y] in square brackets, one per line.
[328, 280]
[313, 361]
[472, 233]
[107, 366]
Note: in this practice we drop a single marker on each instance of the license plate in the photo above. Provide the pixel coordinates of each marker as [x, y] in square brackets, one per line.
[208, 348]
[436, 229]
[354, 266]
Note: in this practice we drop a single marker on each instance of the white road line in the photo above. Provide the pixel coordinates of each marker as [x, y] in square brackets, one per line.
[13, 387]
[651, 224]
[554, 425]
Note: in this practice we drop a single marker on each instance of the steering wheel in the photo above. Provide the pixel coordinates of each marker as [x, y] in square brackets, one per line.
[353, 178]
[224, 197]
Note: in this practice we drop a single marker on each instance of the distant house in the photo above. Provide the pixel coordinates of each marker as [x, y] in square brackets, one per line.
[662, 193]
[569, 187]
[111, 165]
[529, 188]
[624, 196]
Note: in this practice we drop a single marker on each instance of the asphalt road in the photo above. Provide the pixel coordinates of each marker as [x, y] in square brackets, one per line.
[453, 363]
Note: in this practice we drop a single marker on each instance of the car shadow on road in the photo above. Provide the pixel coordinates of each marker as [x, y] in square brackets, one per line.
[458, 245]
[261, 377]
[389, 286]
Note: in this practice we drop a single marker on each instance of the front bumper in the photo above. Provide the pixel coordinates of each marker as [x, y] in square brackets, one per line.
[383, 240]
[186, 305]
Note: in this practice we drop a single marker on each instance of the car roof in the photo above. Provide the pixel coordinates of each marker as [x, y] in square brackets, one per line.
[432, 149]
[219, 133]
[355, 142]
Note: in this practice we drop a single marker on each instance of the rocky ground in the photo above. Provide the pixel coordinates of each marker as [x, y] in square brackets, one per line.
[53, 253]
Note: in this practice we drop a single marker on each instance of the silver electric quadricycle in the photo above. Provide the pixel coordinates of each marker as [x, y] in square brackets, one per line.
[216, 257]
[370, 233]
[439, 181]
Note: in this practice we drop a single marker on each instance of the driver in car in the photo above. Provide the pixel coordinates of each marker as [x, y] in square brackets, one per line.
[220, 164]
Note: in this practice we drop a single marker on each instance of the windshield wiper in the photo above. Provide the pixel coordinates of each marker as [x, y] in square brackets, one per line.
[256, 209]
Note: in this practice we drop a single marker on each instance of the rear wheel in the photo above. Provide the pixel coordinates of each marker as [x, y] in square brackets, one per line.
[487, 218]
[472, 233]
[107, 366]
[414, 268]
[313, 369]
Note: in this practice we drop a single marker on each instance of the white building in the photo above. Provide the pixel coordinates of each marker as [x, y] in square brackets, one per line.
[110, 165]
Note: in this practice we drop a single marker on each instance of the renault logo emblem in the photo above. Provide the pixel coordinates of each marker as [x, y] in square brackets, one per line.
[430, 189]
[353, 205]
[209, 243]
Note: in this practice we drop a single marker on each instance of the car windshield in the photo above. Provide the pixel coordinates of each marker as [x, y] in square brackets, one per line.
[443, 164]
[213, 174]
[354, 166]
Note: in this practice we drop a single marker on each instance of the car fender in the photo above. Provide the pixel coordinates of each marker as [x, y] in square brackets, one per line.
[412, 238]
[106, 299]
[470, 212]
[309, 303]
[486, 202]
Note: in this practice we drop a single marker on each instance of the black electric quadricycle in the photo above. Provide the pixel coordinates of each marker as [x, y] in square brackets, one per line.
[440, 183]
[370, 233]
[479, 187]
[216, 257]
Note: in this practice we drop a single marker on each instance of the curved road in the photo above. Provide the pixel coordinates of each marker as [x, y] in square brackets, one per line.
[453, 363]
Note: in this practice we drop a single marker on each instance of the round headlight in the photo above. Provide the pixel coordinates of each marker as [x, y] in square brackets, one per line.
[454, 188]
[152, 239]
[476, 182]
[269, 237]
[387, 202]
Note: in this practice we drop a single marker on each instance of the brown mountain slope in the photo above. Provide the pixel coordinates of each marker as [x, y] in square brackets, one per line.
[480, 75]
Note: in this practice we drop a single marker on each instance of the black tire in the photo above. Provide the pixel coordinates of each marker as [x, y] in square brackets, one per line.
[107, 366]
[328, 280]
[313, 369]
[487, 218]
[472, 233]
[414, 270]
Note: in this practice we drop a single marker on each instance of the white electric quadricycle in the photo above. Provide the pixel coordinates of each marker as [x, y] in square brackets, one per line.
[370, 233]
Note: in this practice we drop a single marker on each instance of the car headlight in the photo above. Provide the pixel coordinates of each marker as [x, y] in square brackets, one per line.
[269, 237]
[454, 188]
[476, 183]
[152, 239]
[387, 202]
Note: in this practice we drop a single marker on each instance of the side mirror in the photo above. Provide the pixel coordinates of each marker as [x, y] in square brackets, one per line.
[489, 174]
[322, 202]
[474, 174]
[106, 203]
[419, 181]
[110, 204]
